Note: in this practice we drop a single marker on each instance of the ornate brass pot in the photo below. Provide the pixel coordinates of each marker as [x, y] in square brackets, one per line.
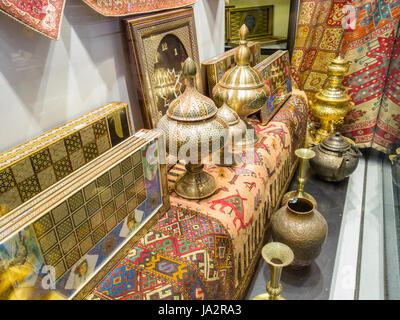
[300, 226]
[245, 86]
[192, 129]
[332, 103]
[335, 158]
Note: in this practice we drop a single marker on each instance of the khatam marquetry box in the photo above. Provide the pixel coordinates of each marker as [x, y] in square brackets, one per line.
[61, 243]
[276, 71]
[37, 164]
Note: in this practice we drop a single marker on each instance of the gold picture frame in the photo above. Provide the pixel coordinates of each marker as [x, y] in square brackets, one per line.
[258, 19]
[158, 46]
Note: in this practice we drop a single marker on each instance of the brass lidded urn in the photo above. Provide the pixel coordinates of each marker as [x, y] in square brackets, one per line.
[246, 88]
[192, 129]
[277, 255]
[332, 103]
[304, 155]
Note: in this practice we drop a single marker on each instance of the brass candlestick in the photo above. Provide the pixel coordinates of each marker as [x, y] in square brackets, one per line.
[304, 155]
[277, 255]
[332, 103]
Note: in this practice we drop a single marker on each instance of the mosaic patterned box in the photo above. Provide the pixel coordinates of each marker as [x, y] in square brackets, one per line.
[34, 166]
[276, 71]
[61, 243]
[214, 68]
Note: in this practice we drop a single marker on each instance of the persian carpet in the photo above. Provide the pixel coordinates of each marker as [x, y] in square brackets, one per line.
[374, 77]
[128, 7]
[318, 41]
[207, 249]
[44, 16]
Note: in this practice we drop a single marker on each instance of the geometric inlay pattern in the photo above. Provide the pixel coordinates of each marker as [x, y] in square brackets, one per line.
[70, 230]
[40, 170]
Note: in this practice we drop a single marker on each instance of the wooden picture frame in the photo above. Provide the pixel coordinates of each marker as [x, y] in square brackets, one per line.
[158, 46]
[73, 234]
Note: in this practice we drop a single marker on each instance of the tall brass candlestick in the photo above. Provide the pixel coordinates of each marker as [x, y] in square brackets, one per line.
[277, 255]
[304, 155]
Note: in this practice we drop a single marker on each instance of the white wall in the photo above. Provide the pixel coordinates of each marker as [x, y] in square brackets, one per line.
[210, 27]
[44, 83]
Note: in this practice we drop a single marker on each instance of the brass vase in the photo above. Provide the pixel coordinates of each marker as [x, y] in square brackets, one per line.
[332, 103]
[300, 226]
[304, 155]
[277, 255]
[191, 127]
[245, 86]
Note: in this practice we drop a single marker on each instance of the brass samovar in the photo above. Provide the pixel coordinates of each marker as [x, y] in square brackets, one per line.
[332, 103]
[245, 86]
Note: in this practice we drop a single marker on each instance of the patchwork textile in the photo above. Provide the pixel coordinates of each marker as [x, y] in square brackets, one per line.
[374, 77]
[128, 7]
[44, 16]
[318, 41]
[207, 249]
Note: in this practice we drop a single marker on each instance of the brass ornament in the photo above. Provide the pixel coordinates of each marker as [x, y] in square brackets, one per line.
[332, 103]
[192, 121]
[300, 226]
[304, 155]
[335, 158]
[237, 132]
[277, 255]
[245, 86]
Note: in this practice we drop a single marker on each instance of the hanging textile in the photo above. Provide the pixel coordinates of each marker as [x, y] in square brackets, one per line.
[128, 7]
[43, 16]
[373, 45]
[318, 41]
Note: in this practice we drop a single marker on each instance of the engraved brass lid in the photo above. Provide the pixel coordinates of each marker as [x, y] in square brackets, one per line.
[336, 143]
[242, 76]
[191, 105]
[227, 114]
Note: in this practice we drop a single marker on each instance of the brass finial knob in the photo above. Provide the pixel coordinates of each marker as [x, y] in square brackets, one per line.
[243, 33]
[189, 68]
[242, 56]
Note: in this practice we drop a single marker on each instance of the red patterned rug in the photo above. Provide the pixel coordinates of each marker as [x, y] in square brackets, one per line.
[43, 16]
[124, 8]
